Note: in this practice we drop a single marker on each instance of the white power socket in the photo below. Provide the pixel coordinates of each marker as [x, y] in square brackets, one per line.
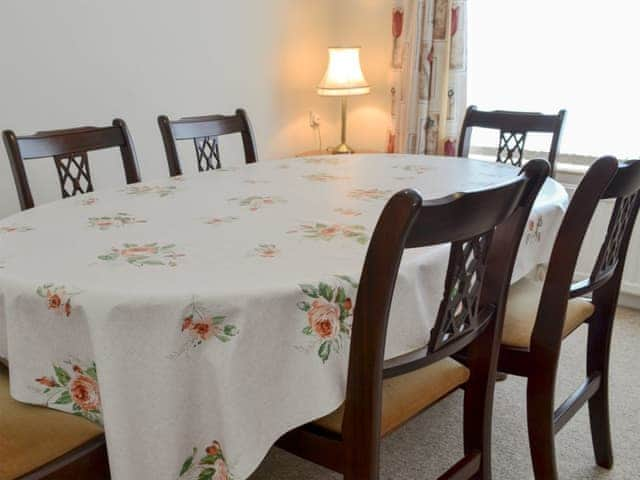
[314, 120]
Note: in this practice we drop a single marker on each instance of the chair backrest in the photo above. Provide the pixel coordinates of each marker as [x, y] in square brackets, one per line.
[204, 132]
[69, 149]
[484, 229]
[513, 127]
[606, 179]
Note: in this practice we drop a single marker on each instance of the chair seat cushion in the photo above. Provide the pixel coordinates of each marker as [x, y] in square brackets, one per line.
[406, 395]
[522, 309]
[32, 436]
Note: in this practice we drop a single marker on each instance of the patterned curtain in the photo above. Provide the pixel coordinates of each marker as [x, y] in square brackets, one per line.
[428, 75]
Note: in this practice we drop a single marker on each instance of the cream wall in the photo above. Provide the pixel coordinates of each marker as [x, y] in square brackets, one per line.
[79, 62]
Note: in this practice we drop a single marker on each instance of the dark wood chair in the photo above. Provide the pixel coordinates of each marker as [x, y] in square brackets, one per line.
[484, 229]
[39, 443]
[204, 132]
[513, 127]
[69, 149]
[541, 314]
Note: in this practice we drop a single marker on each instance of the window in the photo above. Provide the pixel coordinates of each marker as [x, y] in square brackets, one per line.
[545, 55]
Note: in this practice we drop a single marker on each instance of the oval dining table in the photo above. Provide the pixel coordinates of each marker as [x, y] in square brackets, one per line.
[199, 318]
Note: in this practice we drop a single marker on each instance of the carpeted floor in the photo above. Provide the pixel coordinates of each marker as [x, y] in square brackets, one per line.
[429, 444]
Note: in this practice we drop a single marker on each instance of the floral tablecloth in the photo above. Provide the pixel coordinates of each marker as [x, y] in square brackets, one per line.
[199, 318]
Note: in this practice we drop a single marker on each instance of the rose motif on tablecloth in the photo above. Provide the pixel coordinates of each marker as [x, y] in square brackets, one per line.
[257, 202]
[141, 255]
[324, 177]
[198, 324]
[73, 388]
[404, 179]
[159, 190]
[15, 229]
[88, 201]
[58, 298]
[220, 220]
[329, 310]
[417, 169]
[326, 160]
[328, 232]
[252, 181]
[369, 194]
[120, 219]
[266, 250]
[212, 465]
[348, 212]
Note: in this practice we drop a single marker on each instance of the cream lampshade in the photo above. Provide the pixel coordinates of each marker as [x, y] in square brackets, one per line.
[344, 78]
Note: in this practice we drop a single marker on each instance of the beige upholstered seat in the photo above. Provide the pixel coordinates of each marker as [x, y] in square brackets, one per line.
[407, 395]
[522, 308]
[31, 436]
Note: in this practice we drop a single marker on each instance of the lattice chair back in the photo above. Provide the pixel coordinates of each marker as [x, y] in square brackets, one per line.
[470, 221]
[625, 189]
[74, 173]
[460, 313]
[69, 149]
[205, 132]
[513, 128]
[484, 229]
[207, 153]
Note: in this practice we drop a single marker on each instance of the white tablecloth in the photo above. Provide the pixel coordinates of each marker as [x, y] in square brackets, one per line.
[214, 311]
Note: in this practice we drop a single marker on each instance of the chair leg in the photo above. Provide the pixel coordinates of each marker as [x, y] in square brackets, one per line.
[600, 429]
[363, 461]
[478, 421]
[540, 393]
[361, 473]
[598, 362]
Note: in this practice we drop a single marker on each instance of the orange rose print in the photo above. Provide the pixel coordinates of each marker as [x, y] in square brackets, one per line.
[198, 326]
[73, 389]
[214, 449]
[46, 381]
[58, 298]
[141, 255]
[54, 301]
[135, 251]
[84, 392]
[211, 465]
[328, 232]
[187, 322]
[203, 330]
[328, 313]
[324, 318]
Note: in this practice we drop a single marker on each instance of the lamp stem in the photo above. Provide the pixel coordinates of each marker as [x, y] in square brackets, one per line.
[343, 147]
[343, 140]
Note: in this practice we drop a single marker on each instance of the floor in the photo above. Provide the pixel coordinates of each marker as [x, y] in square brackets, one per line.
[429, 444]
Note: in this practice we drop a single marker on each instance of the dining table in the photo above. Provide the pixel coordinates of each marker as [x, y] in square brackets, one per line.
[198, 318]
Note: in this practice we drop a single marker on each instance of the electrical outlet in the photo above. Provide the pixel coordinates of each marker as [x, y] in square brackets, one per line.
[314, 120]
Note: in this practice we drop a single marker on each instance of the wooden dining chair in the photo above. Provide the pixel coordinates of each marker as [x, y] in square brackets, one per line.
[69, 149]
[513, 127]
[484, 230]
[39, 443]
[204, 132]
[540, 315]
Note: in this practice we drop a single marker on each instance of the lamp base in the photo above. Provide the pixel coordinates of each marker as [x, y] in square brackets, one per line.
[342, 149]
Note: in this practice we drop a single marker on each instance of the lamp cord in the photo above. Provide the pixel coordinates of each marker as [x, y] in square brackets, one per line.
[319, 138]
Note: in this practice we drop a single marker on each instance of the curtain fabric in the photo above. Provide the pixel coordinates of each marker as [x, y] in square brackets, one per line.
[428, 75]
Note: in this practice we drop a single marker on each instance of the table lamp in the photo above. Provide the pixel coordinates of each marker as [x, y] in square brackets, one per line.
[344, 78]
